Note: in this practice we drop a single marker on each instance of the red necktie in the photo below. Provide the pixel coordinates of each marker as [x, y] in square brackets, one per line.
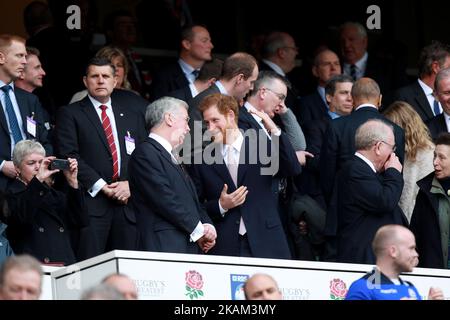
[110, 137]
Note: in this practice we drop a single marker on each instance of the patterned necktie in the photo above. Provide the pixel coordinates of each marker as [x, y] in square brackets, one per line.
[232, 165]
[110, 138]
[437, 110]
[12, 119]
[353, 72]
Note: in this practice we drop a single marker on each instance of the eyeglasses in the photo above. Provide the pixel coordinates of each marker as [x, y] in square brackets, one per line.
[279, 95]
[393, 146]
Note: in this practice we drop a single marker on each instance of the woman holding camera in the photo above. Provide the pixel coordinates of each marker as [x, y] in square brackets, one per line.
[39, 218]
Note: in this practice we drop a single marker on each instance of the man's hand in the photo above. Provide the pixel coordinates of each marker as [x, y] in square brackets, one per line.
[435, 293]
[302, 155]
[121, 191]
[205, 244]
[231, 200]
[267, 121]
[281, 108]
[9, 170]
[210, 232]
[393, 162]
[108, 191]
[72, 174]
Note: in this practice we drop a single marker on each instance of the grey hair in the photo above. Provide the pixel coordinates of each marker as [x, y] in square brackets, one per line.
[274, 41]
[359, 27]
[155, 112]
[370, 132]
[266, 79]
[102, 291]
[24, 148]
[22, 262]
[442, 74]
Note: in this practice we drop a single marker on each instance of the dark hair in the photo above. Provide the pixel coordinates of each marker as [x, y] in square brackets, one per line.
[211, 69]
[443, 138]
[33, 51]
[266, 78]
[36, 14]
[237, 63]
[436, 51]
[110, 19]
[100, 62]
[330, 87]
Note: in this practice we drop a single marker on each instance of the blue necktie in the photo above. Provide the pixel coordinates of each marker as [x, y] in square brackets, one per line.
[195, 72]
[353, 72]
[437, 110]
[12, 119]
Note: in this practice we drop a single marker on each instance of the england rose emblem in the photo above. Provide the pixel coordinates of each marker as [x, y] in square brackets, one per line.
[194, 284]
[338, 289]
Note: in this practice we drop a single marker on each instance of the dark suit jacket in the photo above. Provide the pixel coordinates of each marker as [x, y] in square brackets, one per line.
[365, 202]
[312, 107]
[339, 145]
[265, 232]
[130, 100]
[414, 95]
[166, 80]
[165, 201]
[437, 125]
[389, 74]
[29, 105]
[80, 135]
[40, 218]
[184, 93]
[425, 226]
[292, 97]
[309, 180]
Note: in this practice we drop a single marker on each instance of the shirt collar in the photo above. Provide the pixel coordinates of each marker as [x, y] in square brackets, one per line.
[360, 64]
[187, 69]
[366, 105]
[97, 103]
[369, 163]
[321, 91]
[275, 67]
[333, 115]
[236, 145]
[248, 106]
[426, 89]
[221, 88]
[162, 141]
[2, 84]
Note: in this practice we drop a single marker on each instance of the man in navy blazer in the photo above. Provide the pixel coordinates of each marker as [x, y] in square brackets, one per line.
[236, 182]
[369, 187]
[441, 122]
[29, 113]
[80, 134]
[168, 214]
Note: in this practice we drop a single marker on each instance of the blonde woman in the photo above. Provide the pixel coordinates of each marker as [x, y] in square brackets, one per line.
[419, 150]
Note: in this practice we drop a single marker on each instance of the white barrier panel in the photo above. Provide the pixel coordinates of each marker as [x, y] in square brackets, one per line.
[168, 276]
[47, 285]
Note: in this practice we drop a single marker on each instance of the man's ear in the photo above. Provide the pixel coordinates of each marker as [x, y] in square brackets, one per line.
[2, 58]
[186, 44]
[328, 97]
[379, 100]
[85, 81]
[239, 78]
[435, 67]
[314, 72]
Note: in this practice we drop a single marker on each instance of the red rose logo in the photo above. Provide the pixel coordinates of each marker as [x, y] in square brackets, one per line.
[194, 284]
[338, 289]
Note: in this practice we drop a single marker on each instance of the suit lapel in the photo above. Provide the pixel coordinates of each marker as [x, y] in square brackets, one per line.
[220, 167]
[3, 122]
[422, 100]
[24, 111]
[244, 161]
[92, 116]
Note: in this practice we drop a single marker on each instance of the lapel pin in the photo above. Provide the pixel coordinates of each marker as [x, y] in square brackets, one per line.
[121, 114]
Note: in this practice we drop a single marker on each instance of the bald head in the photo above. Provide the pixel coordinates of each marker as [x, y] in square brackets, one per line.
[123, 284]
[387, 236]
[262, 287]
[366, 90]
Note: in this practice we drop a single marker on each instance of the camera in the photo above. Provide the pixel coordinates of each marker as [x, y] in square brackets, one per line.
[60, 164]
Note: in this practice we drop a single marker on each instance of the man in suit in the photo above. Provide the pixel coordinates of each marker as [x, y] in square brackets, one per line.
[314, 106]
[21, 115]
[208, 74]
[358, 63]
[101, 133]
[240, 71]
[196, 47]
[168, 213]
[369, 187]
[339, 144]
[441, 122]
[419, 94]
[338, 92]
[279, 52]
[237, 187]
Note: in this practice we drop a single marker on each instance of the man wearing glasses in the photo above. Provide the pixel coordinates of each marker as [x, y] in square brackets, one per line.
[369, 187]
